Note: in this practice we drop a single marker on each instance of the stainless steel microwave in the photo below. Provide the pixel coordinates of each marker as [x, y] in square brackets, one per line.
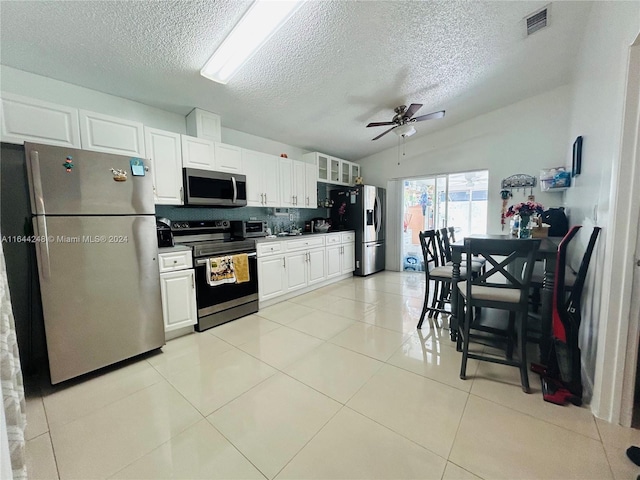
[205, 188]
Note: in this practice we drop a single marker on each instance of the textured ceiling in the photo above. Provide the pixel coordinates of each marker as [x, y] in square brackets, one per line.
[333, 68]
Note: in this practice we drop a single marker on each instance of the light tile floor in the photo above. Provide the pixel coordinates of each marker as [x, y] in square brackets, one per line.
[333, 384]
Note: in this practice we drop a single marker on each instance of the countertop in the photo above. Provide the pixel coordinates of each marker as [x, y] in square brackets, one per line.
[176, 248]
[277, 238]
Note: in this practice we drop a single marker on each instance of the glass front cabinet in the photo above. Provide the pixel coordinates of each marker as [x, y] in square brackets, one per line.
[333, 170]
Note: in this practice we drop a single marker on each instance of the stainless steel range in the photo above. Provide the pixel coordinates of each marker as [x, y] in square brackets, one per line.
[221, 303]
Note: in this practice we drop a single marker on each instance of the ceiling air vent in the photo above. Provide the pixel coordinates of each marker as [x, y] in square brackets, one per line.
[536, 21]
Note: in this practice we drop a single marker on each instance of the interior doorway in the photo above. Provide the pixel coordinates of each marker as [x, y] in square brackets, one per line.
[448, 200]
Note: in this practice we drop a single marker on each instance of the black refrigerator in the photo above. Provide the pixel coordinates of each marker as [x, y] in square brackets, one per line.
[363, 209]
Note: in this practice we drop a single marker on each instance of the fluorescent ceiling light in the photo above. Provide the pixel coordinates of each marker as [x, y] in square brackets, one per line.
[262, 20]
[405, 130]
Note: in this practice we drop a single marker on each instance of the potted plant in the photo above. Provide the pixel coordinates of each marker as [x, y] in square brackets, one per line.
[525, 210]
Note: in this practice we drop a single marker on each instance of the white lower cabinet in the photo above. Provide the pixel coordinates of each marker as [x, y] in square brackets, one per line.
[272, 280]
[334, 257]
[317, 271]
[298, 264]
[178, 290]
[340, 254]
[305, 268]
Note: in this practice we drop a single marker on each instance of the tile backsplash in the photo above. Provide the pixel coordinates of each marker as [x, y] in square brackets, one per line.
[300, 215]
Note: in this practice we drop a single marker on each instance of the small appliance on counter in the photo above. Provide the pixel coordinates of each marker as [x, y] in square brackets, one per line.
[163, 230]
[249, 228]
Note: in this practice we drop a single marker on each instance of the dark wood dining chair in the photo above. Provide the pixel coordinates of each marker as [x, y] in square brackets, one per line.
[503, 286]
[436, 273]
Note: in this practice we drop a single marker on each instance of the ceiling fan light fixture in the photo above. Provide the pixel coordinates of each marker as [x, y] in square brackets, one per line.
[258, 24]
[405, 130]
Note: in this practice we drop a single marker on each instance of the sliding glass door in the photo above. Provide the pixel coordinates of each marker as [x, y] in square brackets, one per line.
[450, 200]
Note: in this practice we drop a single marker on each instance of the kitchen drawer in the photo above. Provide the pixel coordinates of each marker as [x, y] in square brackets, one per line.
[305, 243]
[333, 238]
[348, 237]
[175, 261]
[269, 248]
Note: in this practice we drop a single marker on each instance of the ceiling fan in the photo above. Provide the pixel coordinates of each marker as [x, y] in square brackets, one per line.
[403, 120]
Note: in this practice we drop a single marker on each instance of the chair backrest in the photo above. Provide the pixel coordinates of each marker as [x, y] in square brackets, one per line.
[429, 250]
[444, 247]
[452, 234]
[503, 268]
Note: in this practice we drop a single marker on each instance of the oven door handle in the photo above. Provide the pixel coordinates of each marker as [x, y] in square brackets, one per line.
[204, 262]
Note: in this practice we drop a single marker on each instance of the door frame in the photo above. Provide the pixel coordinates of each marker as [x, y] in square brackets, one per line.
[616, 355]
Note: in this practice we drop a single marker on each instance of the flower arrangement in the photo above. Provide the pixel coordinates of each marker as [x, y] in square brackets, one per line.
[524, 209]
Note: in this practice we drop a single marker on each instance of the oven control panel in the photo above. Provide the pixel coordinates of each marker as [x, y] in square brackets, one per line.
[211, 225]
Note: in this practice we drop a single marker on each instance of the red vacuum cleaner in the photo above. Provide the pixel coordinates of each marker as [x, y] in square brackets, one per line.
[561, 377]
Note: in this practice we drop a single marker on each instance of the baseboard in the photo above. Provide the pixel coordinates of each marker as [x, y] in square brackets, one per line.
[587, 386]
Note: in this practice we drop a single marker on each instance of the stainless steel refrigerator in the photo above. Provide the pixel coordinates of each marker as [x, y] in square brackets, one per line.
[96, 246]
[362, 208]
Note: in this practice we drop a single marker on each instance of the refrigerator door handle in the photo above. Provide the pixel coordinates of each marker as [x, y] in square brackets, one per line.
[36, 178]
[378, 218]
[235, 190]
[43, 246]
[375, 245]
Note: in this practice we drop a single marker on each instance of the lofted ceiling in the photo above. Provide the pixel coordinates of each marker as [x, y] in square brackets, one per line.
[333, 68]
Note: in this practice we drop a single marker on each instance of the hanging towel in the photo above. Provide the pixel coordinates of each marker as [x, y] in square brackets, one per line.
[220, 270]
[241, 267]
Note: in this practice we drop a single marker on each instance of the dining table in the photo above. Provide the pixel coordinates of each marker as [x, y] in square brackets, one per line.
[548, 253]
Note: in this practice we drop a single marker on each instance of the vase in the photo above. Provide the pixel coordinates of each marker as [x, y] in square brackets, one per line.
[523, 230]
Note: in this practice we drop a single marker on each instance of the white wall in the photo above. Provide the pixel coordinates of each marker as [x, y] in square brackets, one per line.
[55, 91]
[521, 138]
[260, 144]
[597, 110]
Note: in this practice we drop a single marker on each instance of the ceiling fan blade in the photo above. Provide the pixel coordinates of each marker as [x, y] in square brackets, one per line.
[429, 116]
[383, 133]
[411, 111]
[380, 124]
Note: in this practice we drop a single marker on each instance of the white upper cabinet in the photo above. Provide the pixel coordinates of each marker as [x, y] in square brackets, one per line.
[322, 161]
[263, 178]
[286, 182]
[197, 153]
[104, 133]
[228, 158]
[165, 155]
[298, 184]
[311, 186]
[203, 124]
[25, 119]
[333, 170]
[296, 189]
[355, 173]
